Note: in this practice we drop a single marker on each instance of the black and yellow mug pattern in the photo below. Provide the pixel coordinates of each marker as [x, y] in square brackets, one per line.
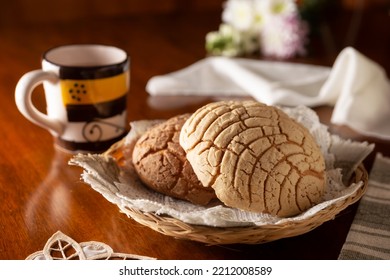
[95, 101]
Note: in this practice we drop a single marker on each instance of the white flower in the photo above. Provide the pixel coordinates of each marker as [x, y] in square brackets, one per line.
[227, 30]
[272, 27]
[239, 14]
[224, 42]
[228, 41]
[271, 8]
[283, 37]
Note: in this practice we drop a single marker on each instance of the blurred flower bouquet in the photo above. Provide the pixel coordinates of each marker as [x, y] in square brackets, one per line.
[272, 28]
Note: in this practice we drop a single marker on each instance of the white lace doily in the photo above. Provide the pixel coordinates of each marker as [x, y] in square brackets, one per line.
[61, 247]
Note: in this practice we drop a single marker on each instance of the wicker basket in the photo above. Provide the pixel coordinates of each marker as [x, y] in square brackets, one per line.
[246, 235]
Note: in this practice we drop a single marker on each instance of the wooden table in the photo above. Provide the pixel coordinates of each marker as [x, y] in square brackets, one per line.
[41, 194]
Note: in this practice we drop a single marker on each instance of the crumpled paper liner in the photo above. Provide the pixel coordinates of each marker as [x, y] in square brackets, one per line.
[119, 183]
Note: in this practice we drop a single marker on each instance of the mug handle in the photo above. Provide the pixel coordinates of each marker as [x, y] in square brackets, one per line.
[23, 92]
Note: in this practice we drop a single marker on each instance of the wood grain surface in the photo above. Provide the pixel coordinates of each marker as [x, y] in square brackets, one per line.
[41, 194]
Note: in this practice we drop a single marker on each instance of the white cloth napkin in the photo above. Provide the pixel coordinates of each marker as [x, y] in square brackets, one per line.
[357, 86]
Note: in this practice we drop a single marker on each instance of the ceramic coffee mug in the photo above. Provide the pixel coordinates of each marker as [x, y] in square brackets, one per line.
[85, 89]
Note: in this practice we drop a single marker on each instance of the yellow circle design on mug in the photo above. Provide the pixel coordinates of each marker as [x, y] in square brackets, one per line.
[82, 92]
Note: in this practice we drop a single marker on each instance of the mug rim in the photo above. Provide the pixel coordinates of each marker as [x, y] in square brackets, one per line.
[124, 60]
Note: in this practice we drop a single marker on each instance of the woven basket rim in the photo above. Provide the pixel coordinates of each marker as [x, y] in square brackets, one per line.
[253, 234]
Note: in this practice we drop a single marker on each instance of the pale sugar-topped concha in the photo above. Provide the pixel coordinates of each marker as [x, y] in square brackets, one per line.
[255, 157]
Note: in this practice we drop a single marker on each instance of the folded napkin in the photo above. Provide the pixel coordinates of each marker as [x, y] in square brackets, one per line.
[369, 235]
[357, 86]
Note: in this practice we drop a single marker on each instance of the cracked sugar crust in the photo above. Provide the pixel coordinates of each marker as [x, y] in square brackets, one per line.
[161, 163]
[255, 157]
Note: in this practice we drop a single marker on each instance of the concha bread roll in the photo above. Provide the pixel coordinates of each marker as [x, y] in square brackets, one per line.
[161, 163]
[255, 157]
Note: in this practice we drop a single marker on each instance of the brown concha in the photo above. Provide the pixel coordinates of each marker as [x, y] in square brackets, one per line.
[161, 163]
[255, 157]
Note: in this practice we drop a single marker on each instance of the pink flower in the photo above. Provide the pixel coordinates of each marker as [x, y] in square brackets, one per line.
[284, 37]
